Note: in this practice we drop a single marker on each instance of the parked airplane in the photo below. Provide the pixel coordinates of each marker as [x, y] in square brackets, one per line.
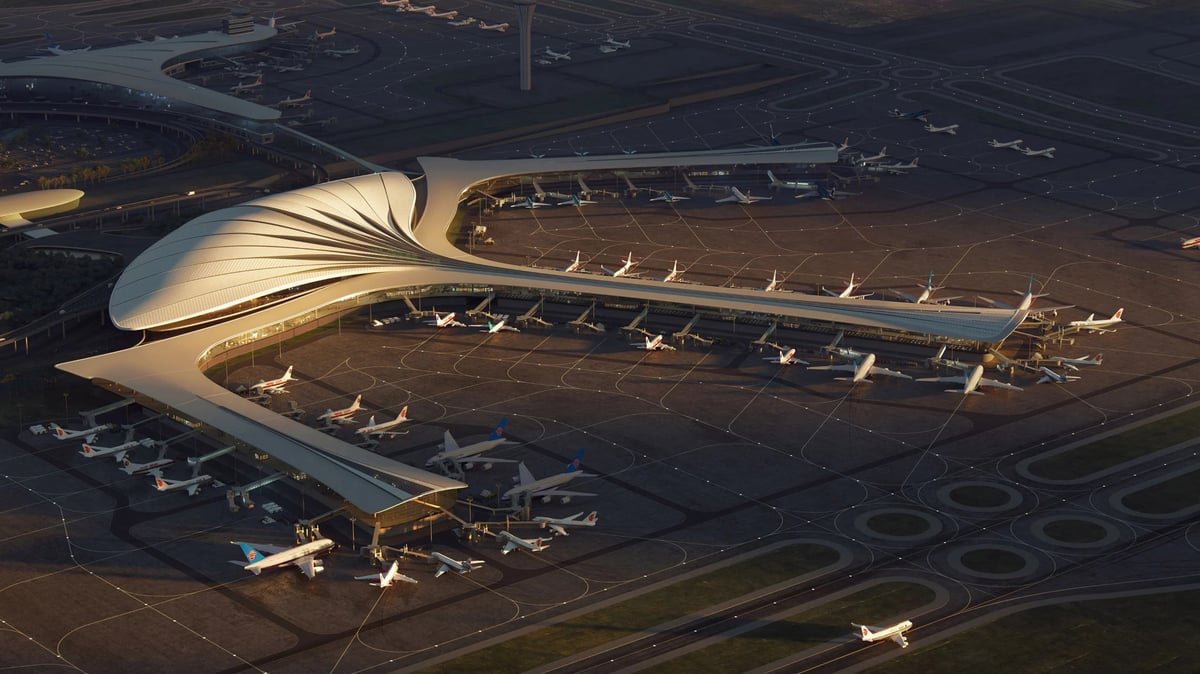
[53, 48]
[118, 452]
[468, 456]
[575, 201]
[738, 197]
[446, 321]
[927, 291]
[1026, 303]
[449, 564]
[1050, 376]
[318, 35]
[409, 7]
[656, 344]
[674, 274]
[873, 159]
[559, 525]
[842, 352]
[1048, 153]
[577, 265]
[624, 269]
[848, 291]
[88, 434]
[895, 632]
[289, 69]
[556, 55]
[971, 380]
[608, 40]
[382, 428]
[512, 542]
[443, 15]
[296, 102]
[787, 358]
[339, 53]
[844, 146]
[393, 3]
[501, 325]
[1190, 243]
[154, 466]
[1098, 325]
[342, 416]
[895, 169]
[918, 115]
[528, 203]
[501, 27]
[191, 485]
[774, 282]
[1074, 363]
[1011, 144]
[669, 198]
[246, 86]
[463, 22]
[806, 185]
[547, 487]
[951, 129]
[303, 557]
[386, 578]
[860, 371]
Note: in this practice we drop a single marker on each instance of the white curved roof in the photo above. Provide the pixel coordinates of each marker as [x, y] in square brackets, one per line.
[14, 207]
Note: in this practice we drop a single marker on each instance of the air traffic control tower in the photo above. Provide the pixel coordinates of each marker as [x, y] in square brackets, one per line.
[525, 24]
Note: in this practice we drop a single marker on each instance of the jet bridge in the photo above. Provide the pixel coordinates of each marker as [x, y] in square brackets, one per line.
[767, 334]
[582, 321]
[197, 461]
[532, 317]
[637, 321]
[89, 417]
[483, 306]
[244, 491]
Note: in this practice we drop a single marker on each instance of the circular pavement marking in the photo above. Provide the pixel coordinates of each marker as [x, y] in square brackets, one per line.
[1109, 533]
[1011, 500]
[933, 526]
[956, 556]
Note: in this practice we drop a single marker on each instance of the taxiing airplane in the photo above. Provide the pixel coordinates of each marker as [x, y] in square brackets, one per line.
[656, 344]
[971, 380]
[446, 321]
[339, 53]
[739, 198]
[774, 282]
[608, 40]
[303, 557]
[1010, 144]
[1074, 363]
[547, 487]
[895, 632]
[1048, 153]
[318, 35]
[468, 456]
[118, 452]
[500, 27]
[1097, 325]
[917, 115]
[154, 466]
[342, 416]
[550, 53]
[500, 325]
[463, 22]
[192, 485]
[951, 129]
[806, 185]
[1190, 243]
[575, 201]
[1051, 377]
[297, 101]
[669, 198]
[246, 86]
[386, 578]
[674, 274]
[860, 371]
[88, 434]
[382, 428]
[787, 358]
[873, 159]
[450, 564]
[528, 203]
[624, 269]
[559, 525]
[512, 542]
[848, 291]
[577, 265]
[927, 291]
[53, 48]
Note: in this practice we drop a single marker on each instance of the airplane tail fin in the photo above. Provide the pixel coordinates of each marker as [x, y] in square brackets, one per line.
[1100, 359]
[591, 518]
[772, 178]
[370, 422]
[287, 375]
[576, 463]
[59, 432]
[448, 442]
[159, 483]
[403, 416]
[1117, 316]
[499, 432]
[252, 555]
[357, 401]
[88, 450]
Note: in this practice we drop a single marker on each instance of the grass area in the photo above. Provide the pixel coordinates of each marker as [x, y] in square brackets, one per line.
[1157, 633]
[181, 15]
[898, 524]
[644, 611]
[796, 633]
[978, 496]
[1167, 497]
[1113, 450]
[116, 8]
[993, 561]
[1074, 531]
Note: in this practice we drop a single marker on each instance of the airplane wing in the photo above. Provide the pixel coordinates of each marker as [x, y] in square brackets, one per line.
[508, 547]
[999, 384]
[900, 639]
[561, 492]
[905, 296]
[845, 367]
[483, 459]
[308, 565]
[727, 200]
[559, 530]
[875, 369]
[946, 380]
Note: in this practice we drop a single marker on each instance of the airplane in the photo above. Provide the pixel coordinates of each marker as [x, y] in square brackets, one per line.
[896, 169]
[386, 578]
[774, 282]
[918, 115]
[624, 269]
[318, 35]
[787, 358]
[576, 265]
[192, 485]
[463, 22]
[873, 159]
[501, 27]
[409, 7]
[951, 129]
[1048, 153]
[575, 201]
[556, 55]
[88, 434]
[738, 197]
[844, 146]
[674, 274]
[971, 380]
[608, 49]
[848, 291]
[1011, 144]
[512, 542]
[548, 486]
[1074, 363]
[247, 86]
[860, 371]
[528, 203]
[287, 27]
[289, 69]
[339, 53]
[938, 360]
[155, 466]
[446, 321]
[59, 51]
[500, 325]
[443, 15]
[382, 427]
[656, 344]
[608, 40]
[469, 455]
[300, 556]
[448, 564]
[296, 102]
[1093, 324]
[1050, 376]
[1003, 362]
[669, 198]
[342, 416]
[1190, 243]
[393, 3]
[559, 525]
[895, 632]
[790, 184]
[842, 352]
[118, 452]
[1027, 298]
[275, 385]
[927, 291]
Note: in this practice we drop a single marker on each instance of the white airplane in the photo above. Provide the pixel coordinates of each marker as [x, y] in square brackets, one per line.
[344, 415]
[191, 485]
[826, 193]
[468, 456]
[53, 48]
[155, 466]
[547, 487]
[927, 291]
[848, 291]
[860, 371]
[446, 321]
[844, 146]
[117, 453]
[1050, 376]
[556, 55]
[951, 129]
[559, 525]
[501, 325]
[303, 557]
[656, 344]
[575, 201]
[774, 282]
[289, 69]
[738, 197]
[895, 169]
[386, 578]
[246, 86]
[1190, 243]
[275, 385]
[918, 115]
[443, 15]
[88, 434]
[1026, 303]
[608, 40]
[674, 274]
[895, 632]
[669, 198]
[1093, 324]
[297, 101]
[393, 3]
[512, 542]
[528, 203]
[842, 352]
[501, 27]
[463, 22]
[624, 269]
[449, 564]
[318, 35]
[790, 184]
[873, 159]
[1048, 153]
[1011, 144]
[381, 428]
[339, 53]
[577, 265]
[1074, 363]
[971, 380]
[409, 7]
[787, 358]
